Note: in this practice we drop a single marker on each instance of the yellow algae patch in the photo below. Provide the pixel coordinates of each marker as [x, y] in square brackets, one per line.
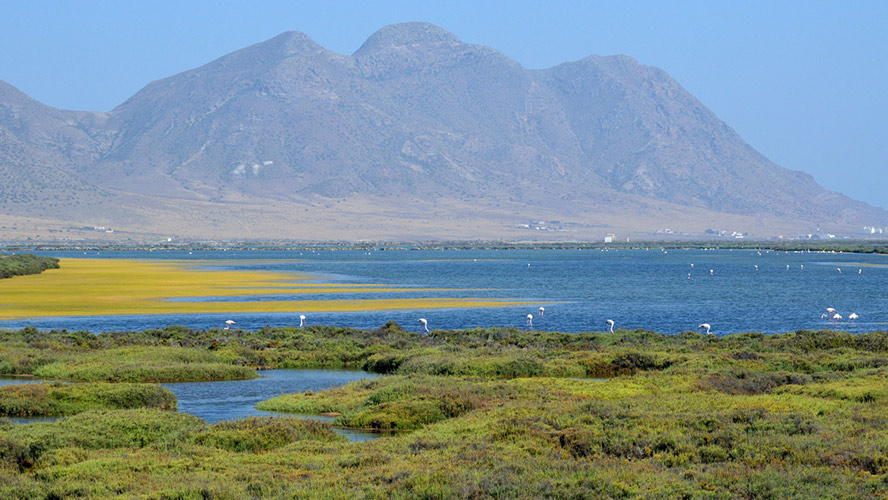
[97, 287]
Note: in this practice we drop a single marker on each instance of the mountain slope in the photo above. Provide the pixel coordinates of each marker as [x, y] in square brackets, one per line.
[415, 126]
[39, 146]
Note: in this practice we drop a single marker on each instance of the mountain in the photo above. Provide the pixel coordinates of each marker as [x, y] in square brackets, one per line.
[416, 134]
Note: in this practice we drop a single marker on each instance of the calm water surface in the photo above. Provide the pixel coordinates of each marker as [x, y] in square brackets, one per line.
[579, 289]
[236, 399]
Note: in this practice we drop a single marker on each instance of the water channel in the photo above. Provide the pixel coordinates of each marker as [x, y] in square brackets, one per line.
[236, 399]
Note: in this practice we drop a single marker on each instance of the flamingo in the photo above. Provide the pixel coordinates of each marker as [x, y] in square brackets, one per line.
[542, 310]
[787, 267]
[830, 311]
[610, 324]
[839, 269]
[228, 324]
[823, 316]
[756, 267]
[689, 275]
[530, 320]
[425, 325]
[852, 317]
[711, 272]
[802, 266]
[860, 271]
[836, 317]
[301, 320]
[706, 326]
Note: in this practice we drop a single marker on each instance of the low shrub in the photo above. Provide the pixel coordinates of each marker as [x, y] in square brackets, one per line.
[103, 429]
[743, 382]
[51, 399]
[144, 372]
[258, 434]
[387, 362]
[394, 416]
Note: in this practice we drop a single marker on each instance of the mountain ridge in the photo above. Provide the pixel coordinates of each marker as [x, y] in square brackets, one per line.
[413, 116]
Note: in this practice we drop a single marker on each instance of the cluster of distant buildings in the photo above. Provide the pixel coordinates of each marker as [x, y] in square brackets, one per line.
[552, 225]
[811, 236]
[867, 230]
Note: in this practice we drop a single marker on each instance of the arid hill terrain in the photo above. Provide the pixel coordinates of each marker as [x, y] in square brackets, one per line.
[416, 135]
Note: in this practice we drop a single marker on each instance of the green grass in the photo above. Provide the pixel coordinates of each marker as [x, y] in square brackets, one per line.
[258, 434]
[53, 399]
[73, 357]
[481, 413]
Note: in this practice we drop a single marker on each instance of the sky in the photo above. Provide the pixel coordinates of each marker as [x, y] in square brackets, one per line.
[804, 82]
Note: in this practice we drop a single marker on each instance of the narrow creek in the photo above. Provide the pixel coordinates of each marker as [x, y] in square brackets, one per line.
[236, 399]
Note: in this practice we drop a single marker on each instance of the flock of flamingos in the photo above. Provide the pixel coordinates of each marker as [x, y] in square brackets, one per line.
[830, 315]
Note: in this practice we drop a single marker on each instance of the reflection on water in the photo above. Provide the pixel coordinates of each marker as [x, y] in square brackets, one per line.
[19, 380]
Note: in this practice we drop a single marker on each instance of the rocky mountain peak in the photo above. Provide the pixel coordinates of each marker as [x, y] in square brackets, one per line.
[414, 118]
[292, 43]
[408, 36]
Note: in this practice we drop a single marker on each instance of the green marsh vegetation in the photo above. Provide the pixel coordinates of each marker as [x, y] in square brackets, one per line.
[24, 264]
[84, 357]
[54, 399]
[483, 413]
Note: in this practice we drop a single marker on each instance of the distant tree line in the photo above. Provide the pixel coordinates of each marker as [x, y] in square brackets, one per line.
[24, 264]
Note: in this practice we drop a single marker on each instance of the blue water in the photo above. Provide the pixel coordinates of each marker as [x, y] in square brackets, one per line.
[579, 289]
[236, 399]
[20, 380]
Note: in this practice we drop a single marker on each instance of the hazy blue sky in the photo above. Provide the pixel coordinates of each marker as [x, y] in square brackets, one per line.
[804, 82]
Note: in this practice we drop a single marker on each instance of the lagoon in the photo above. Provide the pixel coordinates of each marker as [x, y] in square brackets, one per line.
[236, 399]
[579, 289]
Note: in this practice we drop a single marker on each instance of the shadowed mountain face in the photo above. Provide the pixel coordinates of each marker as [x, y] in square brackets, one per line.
[414, 126]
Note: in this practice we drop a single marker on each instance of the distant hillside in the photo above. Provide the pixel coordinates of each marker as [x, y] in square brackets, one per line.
[416, 134]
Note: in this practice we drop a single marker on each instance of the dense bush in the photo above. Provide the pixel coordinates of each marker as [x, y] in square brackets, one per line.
[257, 434]
[97, 429]
[136, 372]
[24, 264]
[743, 382]
[391, 403]
[80, 357]
[506, 414]
[50, 399]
